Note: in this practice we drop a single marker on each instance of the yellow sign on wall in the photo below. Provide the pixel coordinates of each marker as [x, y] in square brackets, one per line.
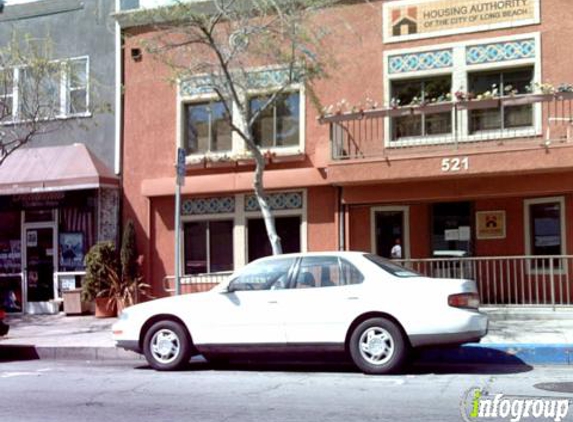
[414, 19]
[490, 225]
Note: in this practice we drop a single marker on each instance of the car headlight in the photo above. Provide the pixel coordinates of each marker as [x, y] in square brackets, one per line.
[123, 316]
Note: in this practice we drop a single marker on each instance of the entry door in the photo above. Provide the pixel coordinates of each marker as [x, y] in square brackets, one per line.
[390, 227]
[40, 264]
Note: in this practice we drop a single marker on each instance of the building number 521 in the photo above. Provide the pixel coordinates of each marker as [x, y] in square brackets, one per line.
[455, 164]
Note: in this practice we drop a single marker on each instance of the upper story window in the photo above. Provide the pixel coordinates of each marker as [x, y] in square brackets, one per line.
[420, 91]
[77, 86]
[60, 91]
[498, 83]
[207, 128]
[6, 93]
[279, 124]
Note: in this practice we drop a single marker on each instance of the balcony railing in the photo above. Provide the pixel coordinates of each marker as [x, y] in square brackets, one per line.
[195, 283]
[510, 280]
[538, 118]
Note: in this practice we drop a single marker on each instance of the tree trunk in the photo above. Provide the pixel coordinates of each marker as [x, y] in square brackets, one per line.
[268, 217]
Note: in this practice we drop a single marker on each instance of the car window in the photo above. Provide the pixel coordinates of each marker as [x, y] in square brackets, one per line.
[327, 271]
[391, 267]
[263, 275]
[350, 274]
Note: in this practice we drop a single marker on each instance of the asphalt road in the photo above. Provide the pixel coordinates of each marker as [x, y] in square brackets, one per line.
[59, 391]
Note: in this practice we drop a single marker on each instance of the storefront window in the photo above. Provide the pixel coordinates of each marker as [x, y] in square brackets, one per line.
[451, 229]
[208, 247]
[10, 261]
[545, 226]
[288, 229]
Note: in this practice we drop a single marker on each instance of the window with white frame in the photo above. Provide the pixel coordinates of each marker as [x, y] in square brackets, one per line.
[207, 127]
[208, 246]
[59, 89]
[487, 67]
[278, 125]
[6, 93]
[545, 225]
[498, 83]
[76, 74]
[421, 91]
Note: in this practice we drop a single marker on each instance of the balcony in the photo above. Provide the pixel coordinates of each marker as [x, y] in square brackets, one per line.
[530, 121]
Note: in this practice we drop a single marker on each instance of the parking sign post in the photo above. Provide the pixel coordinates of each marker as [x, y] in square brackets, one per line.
[179, 182]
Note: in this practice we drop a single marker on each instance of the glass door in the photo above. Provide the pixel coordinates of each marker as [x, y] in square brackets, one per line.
[390, 234]
[40, 265]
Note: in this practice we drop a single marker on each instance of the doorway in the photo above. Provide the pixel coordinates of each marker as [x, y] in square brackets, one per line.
[390, 225]
[39, 266]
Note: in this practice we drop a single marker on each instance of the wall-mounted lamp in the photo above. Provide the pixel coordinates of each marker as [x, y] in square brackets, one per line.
[136, 54]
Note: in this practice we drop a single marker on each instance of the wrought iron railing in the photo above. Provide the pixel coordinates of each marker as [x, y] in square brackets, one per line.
[195, 283]
[540, 118]
[507, 280]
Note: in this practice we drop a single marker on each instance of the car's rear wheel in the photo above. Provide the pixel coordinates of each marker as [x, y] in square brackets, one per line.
[377, 346]
[167, 346]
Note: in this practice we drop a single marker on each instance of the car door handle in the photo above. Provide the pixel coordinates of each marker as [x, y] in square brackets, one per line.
[273, 302]
[352, 298]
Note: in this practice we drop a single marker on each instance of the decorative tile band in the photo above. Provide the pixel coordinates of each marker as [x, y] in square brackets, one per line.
[500, 52]
[203, 206]
[262, 79]
[277, 201]
[412, 62]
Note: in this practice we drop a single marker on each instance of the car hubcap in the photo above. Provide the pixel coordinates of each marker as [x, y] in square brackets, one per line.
[376, 345]
[165, 346]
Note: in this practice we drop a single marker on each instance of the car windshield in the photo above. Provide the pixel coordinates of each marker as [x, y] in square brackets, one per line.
[391, 267]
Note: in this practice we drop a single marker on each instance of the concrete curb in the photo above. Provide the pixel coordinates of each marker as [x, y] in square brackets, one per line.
[490, 354]
[505, 354]
[31, 352]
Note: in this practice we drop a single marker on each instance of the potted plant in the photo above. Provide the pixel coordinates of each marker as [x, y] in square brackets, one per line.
[100, 260]
[114, 282]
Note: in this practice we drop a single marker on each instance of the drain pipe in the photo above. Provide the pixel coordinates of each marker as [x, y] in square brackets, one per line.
[341, 221]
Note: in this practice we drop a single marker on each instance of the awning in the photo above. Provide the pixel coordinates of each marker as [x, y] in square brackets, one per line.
[59, 168]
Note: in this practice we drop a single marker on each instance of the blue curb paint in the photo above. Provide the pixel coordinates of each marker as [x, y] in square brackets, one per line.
[507, 354]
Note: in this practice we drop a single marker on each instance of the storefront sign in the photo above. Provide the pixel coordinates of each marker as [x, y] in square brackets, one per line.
[490, 224]
[414, 19]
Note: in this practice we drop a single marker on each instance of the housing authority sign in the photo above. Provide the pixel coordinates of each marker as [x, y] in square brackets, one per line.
[407, 20]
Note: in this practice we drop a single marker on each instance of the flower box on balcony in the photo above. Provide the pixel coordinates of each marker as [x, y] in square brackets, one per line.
[400, 111]
[478, 104]
[220, 163]
[525, 99]
[434, 108]
[564, 95]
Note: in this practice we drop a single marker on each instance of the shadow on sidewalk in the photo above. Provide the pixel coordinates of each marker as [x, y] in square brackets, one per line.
[11, 353]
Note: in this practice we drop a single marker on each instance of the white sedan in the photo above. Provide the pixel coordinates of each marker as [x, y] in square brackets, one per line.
[356, 302]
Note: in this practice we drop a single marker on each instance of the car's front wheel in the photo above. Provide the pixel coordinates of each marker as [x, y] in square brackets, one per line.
[377, 346]
[167, 346]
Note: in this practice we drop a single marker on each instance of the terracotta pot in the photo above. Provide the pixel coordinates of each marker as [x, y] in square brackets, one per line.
[102, 310]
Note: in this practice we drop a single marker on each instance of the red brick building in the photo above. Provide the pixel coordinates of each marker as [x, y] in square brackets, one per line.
[460, 153]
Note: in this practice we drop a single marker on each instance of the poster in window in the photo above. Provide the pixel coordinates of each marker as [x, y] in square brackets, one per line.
[490, 225]
[71, 251]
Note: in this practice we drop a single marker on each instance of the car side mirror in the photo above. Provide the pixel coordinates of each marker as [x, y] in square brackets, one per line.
[230, 288]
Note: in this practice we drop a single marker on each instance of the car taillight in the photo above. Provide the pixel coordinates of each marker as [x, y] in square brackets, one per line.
[2, 314]
[464, 300]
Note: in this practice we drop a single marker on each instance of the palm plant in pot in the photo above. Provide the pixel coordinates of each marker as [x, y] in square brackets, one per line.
[113, 281]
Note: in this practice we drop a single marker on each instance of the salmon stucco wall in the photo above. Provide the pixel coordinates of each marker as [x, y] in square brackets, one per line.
[321, 218]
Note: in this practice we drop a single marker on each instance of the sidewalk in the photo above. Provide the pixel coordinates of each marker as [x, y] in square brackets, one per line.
[535, 336]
